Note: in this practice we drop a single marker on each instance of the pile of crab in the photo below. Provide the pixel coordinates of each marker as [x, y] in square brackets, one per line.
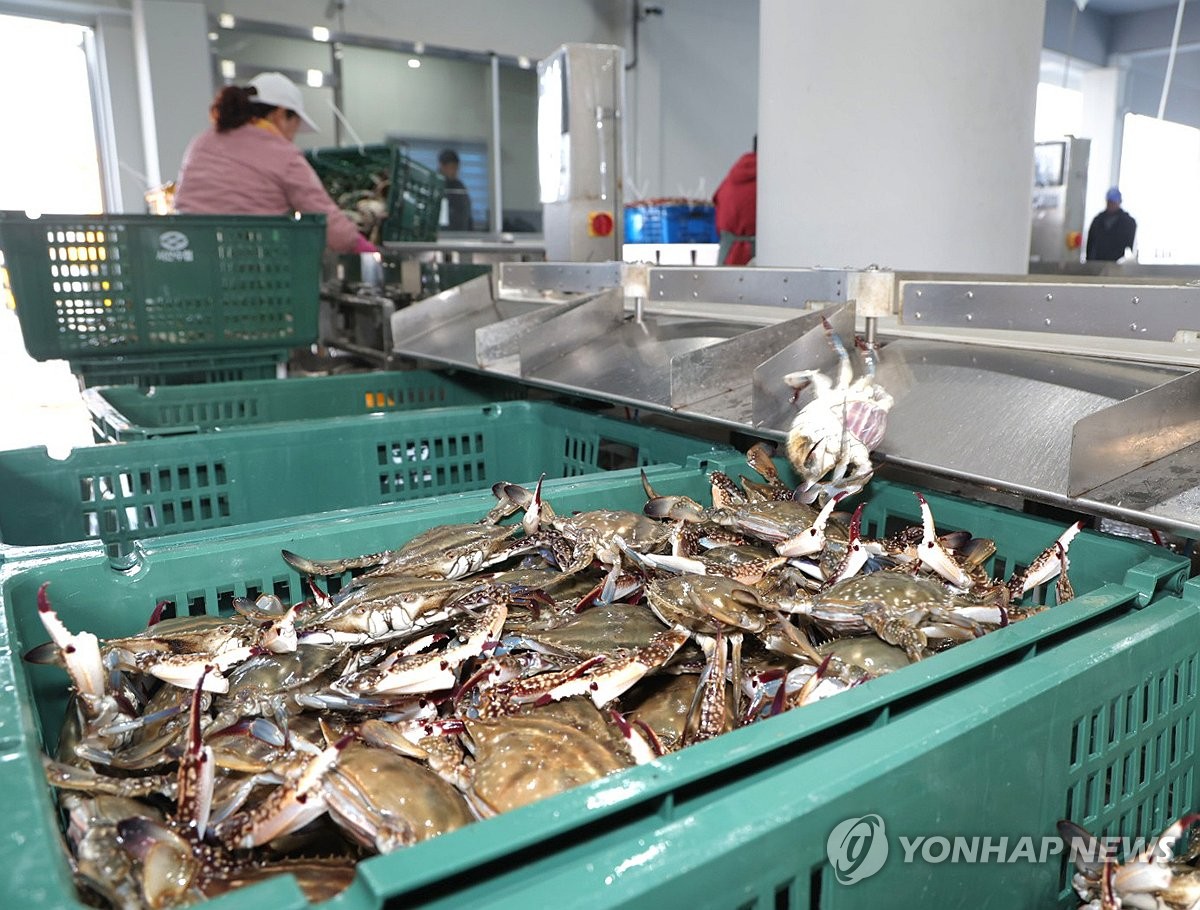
[483, 666]
[1153, 878]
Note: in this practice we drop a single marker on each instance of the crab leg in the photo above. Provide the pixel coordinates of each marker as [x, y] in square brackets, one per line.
[1050, 562]
[897, 630]
[432, 671]
[602, 678]
[706, 717]
[287, 808]
[185, 670]
[70, 777]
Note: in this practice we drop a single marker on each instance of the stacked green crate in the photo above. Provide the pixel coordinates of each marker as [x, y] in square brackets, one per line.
[124, 413]
[153, 299]
[156, 487]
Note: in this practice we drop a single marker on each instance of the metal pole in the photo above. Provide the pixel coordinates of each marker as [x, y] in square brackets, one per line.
[497, 186]
[339, 101]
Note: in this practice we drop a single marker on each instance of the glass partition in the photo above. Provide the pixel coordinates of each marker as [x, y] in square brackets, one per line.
[522, 210]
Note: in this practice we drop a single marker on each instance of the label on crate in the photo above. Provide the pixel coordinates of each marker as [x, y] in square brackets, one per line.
[173, 247]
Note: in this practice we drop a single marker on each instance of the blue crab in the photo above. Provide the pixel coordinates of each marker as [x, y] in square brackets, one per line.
[832, 437]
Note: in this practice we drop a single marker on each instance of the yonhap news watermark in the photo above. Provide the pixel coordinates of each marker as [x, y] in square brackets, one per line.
[858, 848]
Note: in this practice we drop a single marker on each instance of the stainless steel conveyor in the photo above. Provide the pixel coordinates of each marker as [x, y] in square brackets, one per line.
[1082, 392]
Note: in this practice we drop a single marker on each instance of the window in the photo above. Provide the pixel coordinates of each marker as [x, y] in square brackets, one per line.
[1160, 183]
[58, 169]
[1059, 112]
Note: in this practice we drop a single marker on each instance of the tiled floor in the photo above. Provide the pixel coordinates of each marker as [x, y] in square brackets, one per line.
[40, 404]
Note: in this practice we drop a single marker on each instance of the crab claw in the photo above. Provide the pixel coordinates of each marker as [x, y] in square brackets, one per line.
[650, 493]
[534, 512]
[278, 626]
[320, 599]
[642, 741]
[279, 635]
[856, 554]
[806, 691]
[186, 670]
[80, 651]
[933, 555]
[1050, 562]
[812, 539]
[680, 508]
[197, 770]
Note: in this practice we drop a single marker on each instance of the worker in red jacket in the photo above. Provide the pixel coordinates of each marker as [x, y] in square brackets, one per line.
[736, 203]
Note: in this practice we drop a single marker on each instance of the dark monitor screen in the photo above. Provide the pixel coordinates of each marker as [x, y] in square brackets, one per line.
[1048, 159]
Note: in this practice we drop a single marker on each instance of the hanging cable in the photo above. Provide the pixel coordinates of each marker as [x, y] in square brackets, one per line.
[1162, 102]
[349, 129]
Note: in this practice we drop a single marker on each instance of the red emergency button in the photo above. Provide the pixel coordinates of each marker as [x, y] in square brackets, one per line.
[600, 224]
[1074, 240]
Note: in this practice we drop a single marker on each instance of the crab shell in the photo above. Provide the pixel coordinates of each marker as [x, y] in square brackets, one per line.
[836, 427]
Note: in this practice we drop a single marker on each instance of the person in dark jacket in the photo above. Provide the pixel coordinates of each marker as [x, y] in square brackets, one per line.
[736, 201]
[1112, 231]
[457, 200]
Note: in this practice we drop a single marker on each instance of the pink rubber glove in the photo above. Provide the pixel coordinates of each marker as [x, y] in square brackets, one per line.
[363, 245]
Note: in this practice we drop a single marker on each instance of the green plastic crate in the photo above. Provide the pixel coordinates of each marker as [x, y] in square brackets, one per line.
[89, 286]
[415, 212]
[741, 793]
[156, 370]
[414, 196]
[138, 490]
[1098, 727]
[353, 169]
[123, 413]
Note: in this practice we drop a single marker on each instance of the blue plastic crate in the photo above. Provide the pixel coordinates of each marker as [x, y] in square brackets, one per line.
[671, 224]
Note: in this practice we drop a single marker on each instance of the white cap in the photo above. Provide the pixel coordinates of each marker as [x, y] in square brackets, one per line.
[278, 90]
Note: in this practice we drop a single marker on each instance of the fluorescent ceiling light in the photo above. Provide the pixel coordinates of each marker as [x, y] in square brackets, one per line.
[523, 62]
[315, 78]
[228, 69]
[414, 63]
[320, 33]
[226, 20]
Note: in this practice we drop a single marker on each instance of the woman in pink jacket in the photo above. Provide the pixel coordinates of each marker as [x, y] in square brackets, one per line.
[248, 164]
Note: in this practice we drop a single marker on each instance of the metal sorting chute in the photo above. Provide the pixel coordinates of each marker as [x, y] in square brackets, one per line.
[1101, 417]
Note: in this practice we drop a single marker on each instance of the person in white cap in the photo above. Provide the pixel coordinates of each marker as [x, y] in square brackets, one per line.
[249, 164]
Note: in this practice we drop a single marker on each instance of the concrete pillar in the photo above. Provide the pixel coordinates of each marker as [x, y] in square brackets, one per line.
[118, 109]
[174, 80]
[1102, 122]
[899, 134]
